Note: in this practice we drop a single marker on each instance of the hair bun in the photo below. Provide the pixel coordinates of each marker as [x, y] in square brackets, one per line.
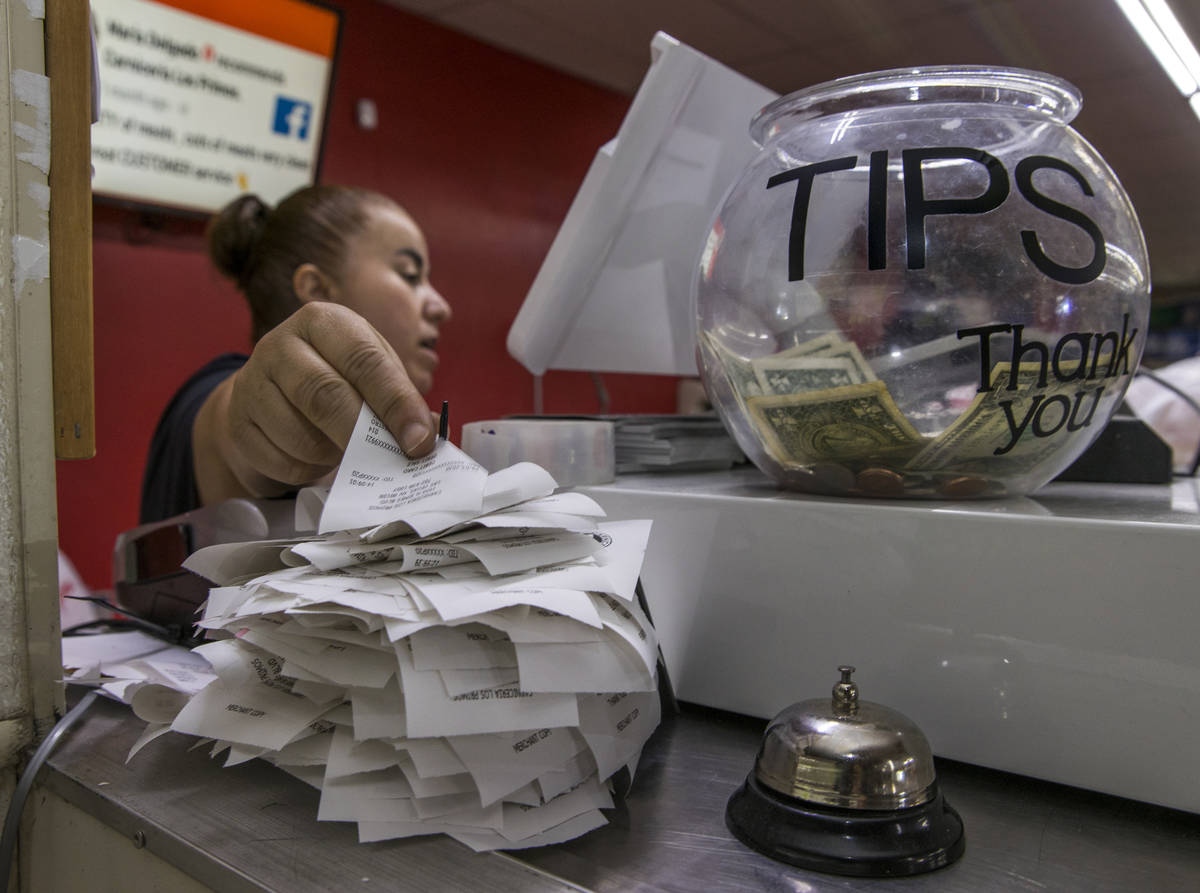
[233, 233]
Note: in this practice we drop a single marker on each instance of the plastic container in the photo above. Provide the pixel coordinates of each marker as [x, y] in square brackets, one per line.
[926, 284]
[576, 452]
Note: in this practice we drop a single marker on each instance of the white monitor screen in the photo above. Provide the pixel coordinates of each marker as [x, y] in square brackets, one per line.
[202, 100]
[614, 292]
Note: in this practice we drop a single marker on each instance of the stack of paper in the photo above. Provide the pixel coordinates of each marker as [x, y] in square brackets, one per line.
[453, 652]
[673, 443]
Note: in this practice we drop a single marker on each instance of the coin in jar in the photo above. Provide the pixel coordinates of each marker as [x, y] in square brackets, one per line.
[880, 482]
[964, 487]
[832, 476]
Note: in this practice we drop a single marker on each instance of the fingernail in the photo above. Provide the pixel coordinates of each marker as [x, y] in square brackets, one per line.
[413, 436]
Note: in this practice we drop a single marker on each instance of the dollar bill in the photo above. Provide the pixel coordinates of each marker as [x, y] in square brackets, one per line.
[1002, 425]
[814, 346]
[858, 421]
[777, 374]
[850, 351]
[831, 345]
[739, 371]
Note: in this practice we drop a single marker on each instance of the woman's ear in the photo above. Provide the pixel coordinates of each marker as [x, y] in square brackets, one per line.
[311, 284]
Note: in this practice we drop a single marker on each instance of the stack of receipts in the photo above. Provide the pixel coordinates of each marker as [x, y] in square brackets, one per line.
[452, 652]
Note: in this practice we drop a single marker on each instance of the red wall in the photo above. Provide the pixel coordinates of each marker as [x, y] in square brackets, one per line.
[484, 149]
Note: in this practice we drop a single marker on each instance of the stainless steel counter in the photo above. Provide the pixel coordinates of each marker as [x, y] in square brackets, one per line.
[253, 827]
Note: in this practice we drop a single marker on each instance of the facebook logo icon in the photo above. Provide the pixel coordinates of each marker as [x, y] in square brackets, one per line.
[292, 117]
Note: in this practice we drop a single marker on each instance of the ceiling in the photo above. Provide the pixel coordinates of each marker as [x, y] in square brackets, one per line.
[1131, 113]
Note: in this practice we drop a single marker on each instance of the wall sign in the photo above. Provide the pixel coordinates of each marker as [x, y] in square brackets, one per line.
[201, 100]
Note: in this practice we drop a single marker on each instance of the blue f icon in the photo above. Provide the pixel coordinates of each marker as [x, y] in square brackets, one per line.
[292, 117]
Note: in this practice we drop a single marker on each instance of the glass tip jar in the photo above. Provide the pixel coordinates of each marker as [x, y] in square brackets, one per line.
[926, 284]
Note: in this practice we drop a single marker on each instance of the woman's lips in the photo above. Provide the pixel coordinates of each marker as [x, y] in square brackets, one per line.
[427, 348]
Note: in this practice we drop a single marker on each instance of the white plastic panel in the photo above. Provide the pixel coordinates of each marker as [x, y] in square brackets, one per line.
[614, 293]
[1053, 636]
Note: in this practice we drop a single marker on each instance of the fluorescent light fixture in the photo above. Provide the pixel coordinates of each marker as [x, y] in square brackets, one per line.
[1160, 30]
[1175, 35]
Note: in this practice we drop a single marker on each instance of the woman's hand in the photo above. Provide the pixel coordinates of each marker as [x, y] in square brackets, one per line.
[284, 419]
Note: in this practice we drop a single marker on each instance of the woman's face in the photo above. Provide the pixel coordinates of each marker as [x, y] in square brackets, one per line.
[385, 279]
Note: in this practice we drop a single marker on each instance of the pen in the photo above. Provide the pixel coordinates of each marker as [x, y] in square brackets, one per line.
[444, 421]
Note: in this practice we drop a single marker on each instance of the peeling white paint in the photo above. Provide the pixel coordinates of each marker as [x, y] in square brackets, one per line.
[31, 251]
[31, 262]
[40, 193]
[30, 668]
[34, 90]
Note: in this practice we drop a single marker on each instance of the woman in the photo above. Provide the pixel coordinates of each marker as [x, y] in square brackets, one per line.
[343, 310]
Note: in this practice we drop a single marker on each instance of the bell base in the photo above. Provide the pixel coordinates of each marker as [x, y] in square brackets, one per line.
[856, 842]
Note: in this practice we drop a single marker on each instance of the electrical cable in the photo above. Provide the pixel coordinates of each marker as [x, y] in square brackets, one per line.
[129, 618]
[97, 600]
[16, 806]
[116, 623]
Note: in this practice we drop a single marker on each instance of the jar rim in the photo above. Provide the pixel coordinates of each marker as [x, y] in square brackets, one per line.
[1035, 91]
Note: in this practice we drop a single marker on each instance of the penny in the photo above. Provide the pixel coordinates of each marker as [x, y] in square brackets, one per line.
[833, 476]
[880, 482]
[963, 487]
[795, 478]
[918, 484]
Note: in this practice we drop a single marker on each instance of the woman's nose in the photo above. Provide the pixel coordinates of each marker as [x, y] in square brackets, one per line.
[436, 307]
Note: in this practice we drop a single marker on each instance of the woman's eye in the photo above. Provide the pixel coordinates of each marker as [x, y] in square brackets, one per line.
[410, 277]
